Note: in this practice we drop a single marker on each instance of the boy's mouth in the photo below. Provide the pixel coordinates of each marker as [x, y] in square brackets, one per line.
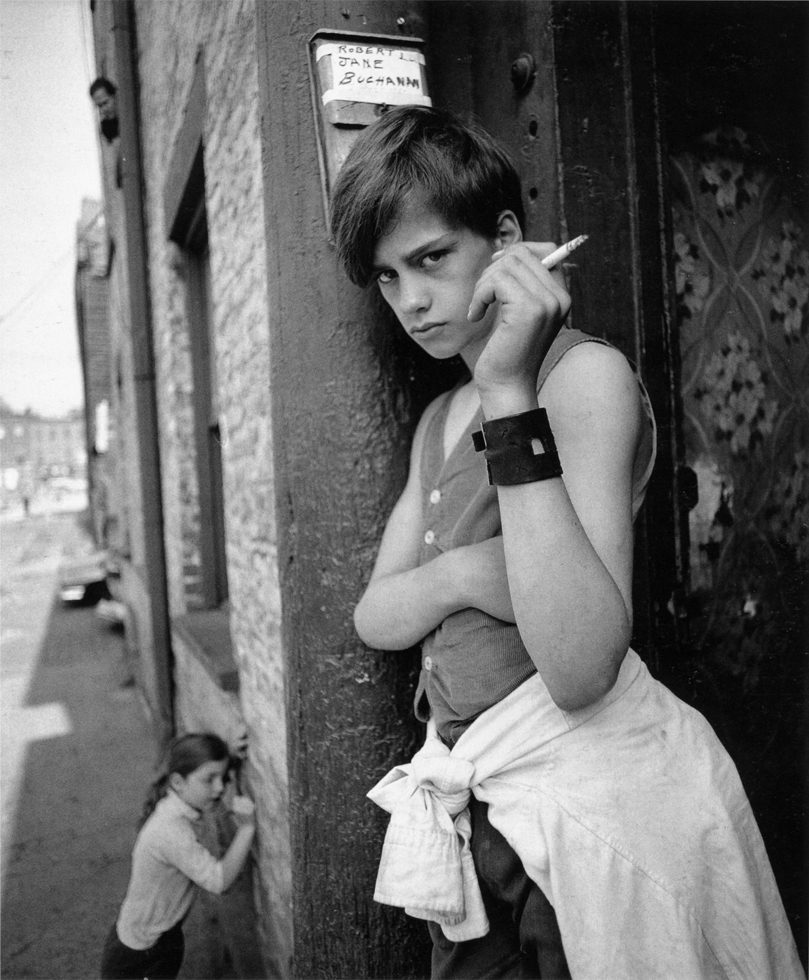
[425, 328]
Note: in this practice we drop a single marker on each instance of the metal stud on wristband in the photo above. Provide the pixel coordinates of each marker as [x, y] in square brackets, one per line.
[510, 448]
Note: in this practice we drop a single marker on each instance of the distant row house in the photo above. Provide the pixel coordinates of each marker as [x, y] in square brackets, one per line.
[50, 446]
[36, 450]
[260, 407]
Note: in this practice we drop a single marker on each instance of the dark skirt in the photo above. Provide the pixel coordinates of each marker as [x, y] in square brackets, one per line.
[159, 962]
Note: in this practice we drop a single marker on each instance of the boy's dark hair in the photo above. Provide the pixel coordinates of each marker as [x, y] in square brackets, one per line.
[102, 82]
[459, 170]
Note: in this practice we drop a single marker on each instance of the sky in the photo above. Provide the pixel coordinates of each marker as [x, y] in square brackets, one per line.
[48, 163]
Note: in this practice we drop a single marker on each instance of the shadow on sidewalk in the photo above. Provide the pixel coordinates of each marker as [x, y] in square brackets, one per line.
[85, 757]
[79, 754]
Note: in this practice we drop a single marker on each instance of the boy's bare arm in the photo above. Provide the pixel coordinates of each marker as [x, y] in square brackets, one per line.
[481, 571]
[399, 608]
[403, 601]
[568, 541]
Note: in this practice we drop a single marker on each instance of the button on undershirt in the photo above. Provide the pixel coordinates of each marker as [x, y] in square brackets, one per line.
[428, 663]
[429, 537]
[435, 496]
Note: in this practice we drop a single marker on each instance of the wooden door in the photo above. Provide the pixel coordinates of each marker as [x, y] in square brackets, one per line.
[607, 138]
[733, 84]
[570, 88]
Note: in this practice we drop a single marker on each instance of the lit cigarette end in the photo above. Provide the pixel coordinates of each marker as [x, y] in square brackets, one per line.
[563, 251]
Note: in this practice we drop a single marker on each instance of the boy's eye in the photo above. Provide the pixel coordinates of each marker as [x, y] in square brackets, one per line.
[432, 259]
[385, 276]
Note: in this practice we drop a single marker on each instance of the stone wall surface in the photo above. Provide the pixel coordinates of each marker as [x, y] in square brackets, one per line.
[170, 39]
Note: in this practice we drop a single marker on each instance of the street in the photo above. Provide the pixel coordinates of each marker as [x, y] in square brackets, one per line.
[77, 756]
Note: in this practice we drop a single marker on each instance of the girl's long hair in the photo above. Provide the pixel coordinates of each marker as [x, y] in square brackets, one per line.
[183, 755]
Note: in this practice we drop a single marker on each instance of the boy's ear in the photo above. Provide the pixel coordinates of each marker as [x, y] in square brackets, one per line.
[176, 781]
[508, 229]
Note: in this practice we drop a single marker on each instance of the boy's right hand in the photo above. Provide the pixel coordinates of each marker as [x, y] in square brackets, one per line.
[532, 306]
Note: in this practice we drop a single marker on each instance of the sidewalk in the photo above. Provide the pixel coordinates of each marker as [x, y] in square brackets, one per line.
[77, 755]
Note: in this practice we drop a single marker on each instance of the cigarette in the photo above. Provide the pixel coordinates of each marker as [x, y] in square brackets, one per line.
[563, 251]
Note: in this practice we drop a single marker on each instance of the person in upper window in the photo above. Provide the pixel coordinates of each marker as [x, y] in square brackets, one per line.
[103, 94]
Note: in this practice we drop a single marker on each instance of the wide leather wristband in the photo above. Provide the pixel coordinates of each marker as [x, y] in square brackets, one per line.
[518, 449]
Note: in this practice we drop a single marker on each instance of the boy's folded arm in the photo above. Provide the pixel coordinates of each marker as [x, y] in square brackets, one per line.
[482, 578]
[569, 542]
[404, 601]
[399, 609]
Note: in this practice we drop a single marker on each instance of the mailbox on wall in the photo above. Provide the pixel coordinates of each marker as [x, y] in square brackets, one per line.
[355, 78]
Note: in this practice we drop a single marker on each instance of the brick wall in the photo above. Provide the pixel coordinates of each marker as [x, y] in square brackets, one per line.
[127, 531]
[169, 39]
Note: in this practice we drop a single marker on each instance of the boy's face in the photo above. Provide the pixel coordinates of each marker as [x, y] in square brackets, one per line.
[426, 270]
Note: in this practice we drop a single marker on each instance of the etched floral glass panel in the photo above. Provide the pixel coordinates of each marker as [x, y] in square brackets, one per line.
[742, 282]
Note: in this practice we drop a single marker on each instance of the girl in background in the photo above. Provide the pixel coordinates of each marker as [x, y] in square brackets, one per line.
[169, 863]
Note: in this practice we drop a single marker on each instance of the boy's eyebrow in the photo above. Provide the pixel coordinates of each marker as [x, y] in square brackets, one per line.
[431, 246]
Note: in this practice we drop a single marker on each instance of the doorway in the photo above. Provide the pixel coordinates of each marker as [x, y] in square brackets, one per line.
[733, 84]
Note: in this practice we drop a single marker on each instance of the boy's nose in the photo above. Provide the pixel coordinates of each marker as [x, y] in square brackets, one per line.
[413, 295]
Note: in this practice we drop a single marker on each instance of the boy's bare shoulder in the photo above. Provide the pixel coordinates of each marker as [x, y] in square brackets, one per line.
[596, 381]
[589, 364]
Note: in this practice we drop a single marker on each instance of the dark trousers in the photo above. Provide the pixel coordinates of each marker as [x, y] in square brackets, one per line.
[523, 939]
[159, 962]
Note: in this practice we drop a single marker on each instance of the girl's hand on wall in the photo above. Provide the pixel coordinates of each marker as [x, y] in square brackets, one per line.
[532, 306]
[243, 810]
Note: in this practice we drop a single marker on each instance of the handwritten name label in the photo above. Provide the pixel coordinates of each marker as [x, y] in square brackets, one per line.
[373, 73]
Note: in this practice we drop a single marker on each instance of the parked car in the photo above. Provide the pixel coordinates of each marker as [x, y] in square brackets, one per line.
[84, 580]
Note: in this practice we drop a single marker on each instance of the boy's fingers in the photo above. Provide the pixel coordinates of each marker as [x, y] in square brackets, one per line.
[526, 266]
[482, 298]
[519, 267]
[483, 295]
[497, 282]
